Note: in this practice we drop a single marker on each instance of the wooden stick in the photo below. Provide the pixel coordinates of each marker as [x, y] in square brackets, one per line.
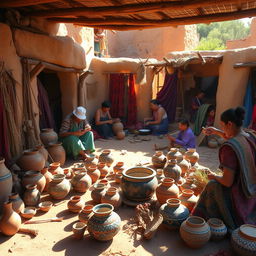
[29, 231]
[54, 219]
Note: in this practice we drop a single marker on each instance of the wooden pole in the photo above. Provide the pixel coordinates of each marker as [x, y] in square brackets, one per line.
[21, 3]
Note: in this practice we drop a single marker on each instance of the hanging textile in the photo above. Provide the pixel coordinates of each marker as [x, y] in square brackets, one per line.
[116, 95]
[167, 96]
[132, 103]
[248, 103]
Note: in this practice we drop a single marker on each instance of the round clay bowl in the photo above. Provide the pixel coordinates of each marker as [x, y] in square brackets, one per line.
[28, 212]
[45, 206]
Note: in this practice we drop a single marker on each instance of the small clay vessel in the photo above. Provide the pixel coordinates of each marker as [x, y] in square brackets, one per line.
[120, 135]
[189, 184]
[188, 199]
[31, 196]
[185, 166]
[112, 197]
[34, 178]
[54, 168]
[57, 152]
[90, 160]
[192, 156]
[218, 229]
[98, 191]
[68, 173]
[76, 204]
[48, 135]
[48, 177]
[160, 175]
[103, 168]
[17, 203]
[86, 213]
[81, 182]
[159, 159]
[106, 157]
[78, 230]
[119, 167]
[104, 182]
[59, 187]
[174, 153]
[93, 172]
[117, 126]
[172, 170]
[118, 178]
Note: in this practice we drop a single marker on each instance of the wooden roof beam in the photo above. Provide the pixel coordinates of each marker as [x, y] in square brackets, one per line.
[22, 3]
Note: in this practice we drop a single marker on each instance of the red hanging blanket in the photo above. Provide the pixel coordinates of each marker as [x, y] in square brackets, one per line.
[132, 103]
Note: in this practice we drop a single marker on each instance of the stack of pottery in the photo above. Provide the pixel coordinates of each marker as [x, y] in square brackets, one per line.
[17, 203]
[54, 168]
[31, 196]
[218, 229]
[174, 153]
[172, 170]
[59, 187]
[81, 182]
[76, 204]
[48, 177]
[118, 129]
[93, 172]
[159, 159]
[98, 192]
[106, 157]
[188, 199]
[90, 160]
[112, 197]
[86, 213]
[34, 178]
[57, 152]
[48, 136]
[103, 168]
[192, 156]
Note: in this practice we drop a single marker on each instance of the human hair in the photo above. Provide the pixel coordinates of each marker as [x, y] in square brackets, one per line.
[210, 108]
[184, 121]
[234, 115]
[105, 104]
[155, 102]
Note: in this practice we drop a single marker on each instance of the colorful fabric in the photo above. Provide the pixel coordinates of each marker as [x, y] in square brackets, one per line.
[186, 139]
[201, 118]
[195, 102]
[132, 103]
[254, 118]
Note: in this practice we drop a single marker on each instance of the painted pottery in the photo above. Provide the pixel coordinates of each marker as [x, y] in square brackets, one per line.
[118, 178]
[195, 232]
[112, 197]
[76, 204]
[103, 168]
[192, 156]
[105, 223]
[31, 160]
[119, 167]
[174, 213]
[213, 143]
[243, 240]
[43, 151]
[57, 152]
[172, 170]
[48, 177]
[120, 135]
[78, 230]
[48, 135]
[117, 126]
[86, 213]
[139, 183]
[81, 181]
[34, 178]
[28, 212]
[10, 221]
[31, 196]
[59, 187]
[159, 159]
[218, 229]
[188, 199]
[17, 203]
[54, 168]
[166, 190]
[174, 153]
[5, 183]
[91, 159]
[106, 157]
[45, 206]
[185, 166]
[98, 191]
[93, 172]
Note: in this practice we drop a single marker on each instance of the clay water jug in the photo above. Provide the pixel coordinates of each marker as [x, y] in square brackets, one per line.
[86, 213]
[31, 196]
[48, 135]
[188, 199]
[17, 203]
[34, 178]
[104, 169]
[76, 204]
[81, 182]
[192, 156]
[43, 151]
[106, 157]
[10, 221]
[98, 192]
[93, 172]
[159, 159]
[117, 126]
[57, 152]
[91, 159]
[174, 154]
[112, 197]
[59, 187]
[48, 177]
[172, 170]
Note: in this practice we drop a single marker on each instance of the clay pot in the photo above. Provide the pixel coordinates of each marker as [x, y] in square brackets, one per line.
[188, 199]
[81, 182]
[78, 230]
[174, 213]
[10, 221]
[48, 177]
[90, 160]
[31, 160]
[103, 168]
[106, 157]
[98, 192]
[185, 166]
[86, 213]
[160, 175]
[104, 224]
[57, 152]
[117, 126]
[174, 153]
[172, 170]
[43, 151]
[118, 178]
[112, 197]
[220, 140]
[105, 182]
[34, 178]
[93, 172]
[218, 229]
[68, 173]
[17, 203]
[119, 167]
[212, 143]
[243, 240]
[166, 190]
[54, 168]
[120, 135]
[139, 183]
[195, 232]
[76, 204]
[189, 184]
[31, 196]
[5, 183]
[192, 156]
[159, 159]
[59, 187]
[48, 135]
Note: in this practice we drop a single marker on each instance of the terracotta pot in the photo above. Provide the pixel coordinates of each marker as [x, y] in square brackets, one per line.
[106, 157]
[90, 160]
[48, 177]
[118, 178]
[5, 183]
[98, 192]
[189, 184]
[76, 204]
[159, 159]
[103, 169]
[59, 187]
[160, 175]
[31, 160]
[174, 153]
[105, 182]
[174, 213]
[112, 197]
[195, 232]
[192, 156]
[48, 135]
[16, 187]
[166, 190]
[93, 172]
[104, 224]
[243, 240]
[10, 221]
[86, 213]
[31, 196]
[185, 166]
[54, 168]
[117, 127]
[81, 182]
[17, 203]
[43, 151]
[57, 152]
[120, 135]
[212, 143]
[218, 229]
[68, 173]
[172, 170]
[119, 167]
[188, 199]
[34, 178]
[78, 230]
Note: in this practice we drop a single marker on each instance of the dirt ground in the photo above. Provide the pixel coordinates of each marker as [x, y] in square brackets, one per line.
[56, 238]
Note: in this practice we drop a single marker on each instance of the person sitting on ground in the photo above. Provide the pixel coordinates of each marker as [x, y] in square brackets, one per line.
[210, 116]
[158, 124]
[231, 196]
[75, 134]
[103, 121]
[185, 138]
[195, 104]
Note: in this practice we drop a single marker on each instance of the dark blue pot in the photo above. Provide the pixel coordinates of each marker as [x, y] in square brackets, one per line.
[139, 183]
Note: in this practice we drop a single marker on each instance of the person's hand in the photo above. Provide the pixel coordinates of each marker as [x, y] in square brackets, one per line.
[209, 130]
[171, 138]
[110, 121]
[211, 175]
[79, 133]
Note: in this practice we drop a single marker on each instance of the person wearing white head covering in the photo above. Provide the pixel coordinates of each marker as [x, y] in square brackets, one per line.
[76, 135]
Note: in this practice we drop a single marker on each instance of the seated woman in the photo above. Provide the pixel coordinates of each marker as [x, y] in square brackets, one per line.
[158, 124]
[75, 134]
[232, 195]
[103, 121]
[185, 138]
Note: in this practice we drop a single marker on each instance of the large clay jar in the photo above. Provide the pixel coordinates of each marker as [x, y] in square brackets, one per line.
[10, 221]
[218, 229]
[59, 187]
[192, 156]
[120, 135]
[98, 192]
[188, 199]
[159, 159]
[243, 240]
[105, 223]
[117, 126]
[81, 182]
[31, 196]
[174, 153]
[172, 170]
[119, 167]
[31, 160]
[195, 232]
[86, 213]
[57, 152]
[106, 157]
[174, 213]
[17, 203]
[48, 135]
[103, 168]
[43, 151]
[5, 183]
[112, 197]
[139, 183]
[48, 177]
[76, 204]
[34, 178]
[93, 172]
[91, 159]
[166, 190]
[185, 166]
